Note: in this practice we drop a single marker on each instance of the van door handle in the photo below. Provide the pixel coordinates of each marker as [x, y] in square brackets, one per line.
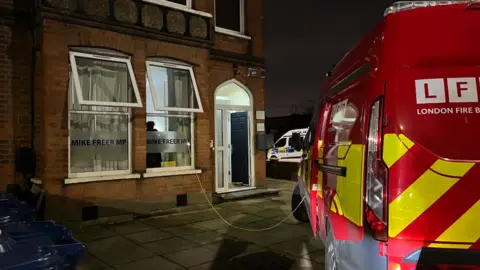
[337, 170]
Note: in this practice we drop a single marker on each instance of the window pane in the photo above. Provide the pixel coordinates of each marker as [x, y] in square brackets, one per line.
[220, 177]
[98, 143]
[232, 94]
[105, 81]
[219, 119]
[173, 88]
[168, 141]
[281, 143]
[75, 105]
[181, 2]
[227, 14]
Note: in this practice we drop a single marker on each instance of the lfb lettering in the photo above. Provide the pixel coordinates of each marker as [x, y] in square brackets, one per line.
[460, 90]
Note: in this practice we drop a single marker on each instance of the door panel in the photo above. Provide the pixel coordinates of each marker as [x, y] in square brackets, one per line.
[239, 147]
[220, 151]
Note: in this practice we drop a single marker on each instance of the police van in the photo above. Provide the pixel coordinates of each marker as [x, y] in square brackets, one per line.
[391, 166]
[282, 149]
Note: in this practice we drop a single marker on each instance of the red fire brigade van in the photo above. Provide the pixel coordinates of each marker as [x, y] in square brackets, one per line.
[390, 168]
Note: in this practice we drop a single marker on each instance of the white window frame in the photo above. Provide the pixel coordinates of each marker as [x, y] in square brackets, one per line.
[186, 8]
[171, 4]
[78, 89]
[153, 94]
[192, 143]
[129, 127]
[226, 31]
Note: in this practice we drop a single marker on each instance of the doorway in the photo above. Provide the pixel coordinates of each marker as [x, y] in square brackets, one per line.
[233, 138]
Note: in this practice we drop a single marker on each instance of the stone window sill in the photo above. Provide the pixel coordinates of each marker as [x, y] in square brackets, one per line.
[81, 180]
[179, 7]
[160, 173]
[231, 33]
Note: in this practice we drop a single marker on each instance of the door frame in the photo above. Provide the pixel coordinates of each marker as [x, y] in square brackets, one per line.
[251, 128]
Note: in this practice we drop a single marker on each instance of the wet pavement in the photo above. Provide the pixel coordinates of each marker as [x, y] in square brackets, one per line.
[201, 240]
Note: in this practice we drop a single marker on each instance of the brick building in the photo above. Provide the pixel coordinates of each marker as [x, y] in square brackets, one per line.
[126, 100]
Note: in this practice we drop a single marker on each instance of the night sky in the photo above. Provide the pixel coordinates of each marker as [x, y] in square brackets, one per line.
[303, 39]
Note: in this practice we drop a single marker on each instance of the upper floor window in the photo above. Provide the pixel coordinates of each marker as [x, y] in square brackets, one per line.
[186, 3]
[230, 15]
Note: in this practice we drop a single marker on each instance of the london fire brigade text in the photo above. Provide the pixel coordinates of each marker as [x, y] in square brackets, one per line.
[458, 110]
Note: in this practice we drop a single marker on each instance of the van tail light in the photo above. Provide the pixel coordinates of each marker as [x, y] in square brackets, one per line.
[376, 176]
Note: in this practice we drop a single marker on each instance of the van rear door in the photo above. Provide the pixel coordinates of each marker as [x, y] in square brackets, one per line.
[432, 149]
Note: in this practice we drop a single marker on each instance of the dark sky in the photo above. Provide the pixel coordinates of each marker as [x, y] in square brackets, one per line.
[303, 39]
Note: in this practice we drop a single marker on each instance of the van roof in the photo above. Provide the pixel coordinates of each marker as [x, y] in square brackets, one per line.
[302, 131]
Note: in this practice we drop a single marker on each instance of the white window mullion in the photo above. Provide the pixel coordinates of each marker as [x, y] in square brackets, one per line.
[242, 16]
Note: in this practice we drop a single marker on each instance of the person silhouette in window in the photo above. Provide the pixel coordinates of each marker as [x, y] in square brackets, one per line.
[154, 160]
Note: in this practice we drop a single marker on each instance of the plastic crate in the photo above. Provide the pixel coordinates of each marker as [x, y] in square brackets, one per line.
[21, 256]
[14, 210]
[47, 234]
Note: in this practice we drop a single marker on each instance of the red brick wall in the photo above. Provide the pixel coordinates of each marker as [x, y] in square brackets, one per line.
[57, 37]
[15, 101]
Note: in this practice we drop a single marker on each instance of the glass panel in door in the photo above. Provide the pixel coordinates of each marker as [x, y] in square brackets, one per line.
[220, 151]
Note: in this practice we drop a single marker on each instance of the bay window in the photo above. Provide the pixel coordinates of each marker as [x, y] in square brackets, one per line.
[173, 100]
[102, 91]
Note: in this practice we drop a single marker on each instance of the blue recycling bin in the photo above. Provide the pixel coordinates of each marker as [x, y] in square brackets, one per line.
[14, 210]
[47, 234]
[21, 256]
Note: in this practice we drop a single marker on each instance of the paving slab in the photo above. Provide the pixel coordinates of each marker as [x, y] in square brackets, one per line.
[243, 219]
[164, 222]
[129, 227]
[92, 263]
[204, 238]
[220, 265]
[230, 247]
[148, 236]
[89, 234]
[169, 245]
[192, 257]
[183, 230]
[272, 213]
[213, 224]
[197, 217]
[154, 263]
[265, 259]
[118, 250]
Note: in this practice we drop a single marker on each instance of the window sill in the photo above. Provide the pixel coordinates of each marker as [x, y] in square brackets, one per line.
[179, 7]
[231, 33]
[158, 173]
[36, 181]
[80, 180]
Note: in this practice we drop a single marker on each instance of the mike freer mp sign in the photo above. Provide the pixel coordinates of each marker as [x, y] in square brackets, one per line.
[166, 142]
[113, 144]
